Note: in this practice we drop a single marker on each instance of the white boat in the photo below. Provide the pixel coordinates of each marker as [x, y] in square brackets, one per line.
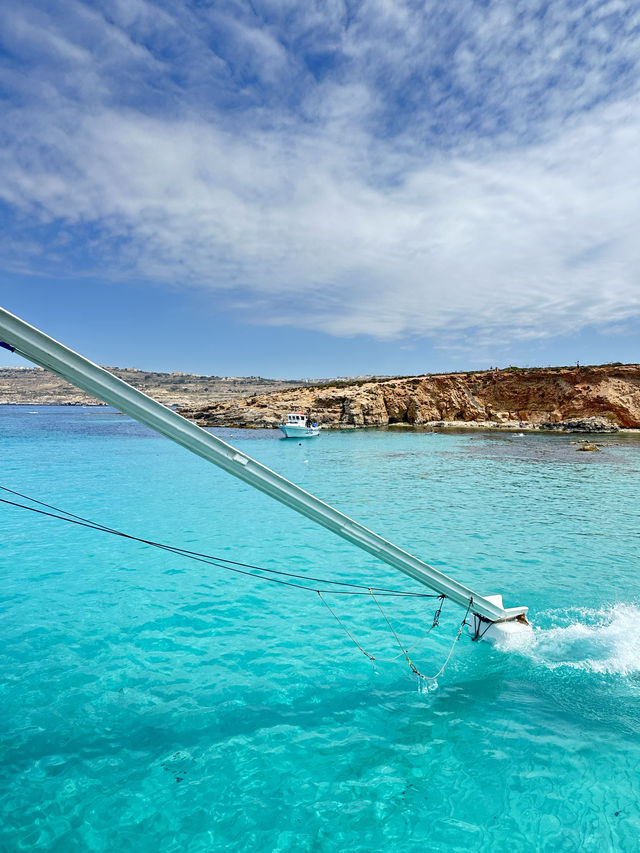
[298, 426]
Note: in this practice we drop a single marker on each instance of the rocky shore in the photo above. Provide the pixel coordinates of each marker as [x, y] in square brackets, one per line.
[580, 399]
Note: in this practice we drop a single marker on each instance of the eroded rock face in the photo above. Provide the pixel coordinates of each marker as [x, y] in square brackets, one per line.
[582, 425]
[588, 399]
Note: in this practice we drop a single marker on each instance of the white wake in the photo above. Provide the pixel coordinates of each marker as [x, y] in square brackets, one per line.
[601, 641]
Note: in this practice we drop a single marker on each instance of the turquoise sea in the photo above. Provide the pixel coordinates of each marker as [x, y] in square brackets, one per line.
[153, 703]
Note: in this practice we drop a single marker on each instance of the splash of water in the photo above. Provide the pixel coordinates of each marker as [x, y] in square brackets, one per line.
[599, 641]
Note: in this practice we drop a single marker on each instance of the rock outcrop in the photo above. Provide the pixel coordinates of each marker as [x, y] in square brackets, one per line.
[587, 399]
[581, 425]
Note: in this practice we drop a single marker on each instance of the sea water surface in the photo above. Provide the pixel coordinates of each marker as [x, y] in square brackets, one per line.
[154, 703]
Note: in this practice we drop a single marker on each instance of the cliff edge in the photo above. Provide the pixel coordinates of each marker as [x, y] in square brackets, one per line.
[594, 398]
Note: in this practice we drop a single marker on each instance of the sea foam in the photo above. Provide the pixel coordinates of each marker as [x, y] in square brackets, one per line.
[599, 641]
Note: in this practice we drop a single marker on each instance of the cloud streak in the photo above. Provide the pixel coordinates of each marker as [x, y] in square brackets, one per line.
[353, 188]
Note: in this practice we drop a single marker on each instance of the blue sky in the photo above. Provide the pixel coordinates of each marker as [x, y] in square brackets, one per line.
[323, 188]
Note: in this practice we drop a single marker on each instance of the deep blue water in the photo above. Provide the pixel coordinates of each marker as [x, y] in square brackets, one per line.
[153, 703]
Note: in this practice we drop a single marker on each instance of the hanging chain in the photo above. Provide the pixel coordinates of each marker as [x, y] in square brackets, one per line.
[404, 652]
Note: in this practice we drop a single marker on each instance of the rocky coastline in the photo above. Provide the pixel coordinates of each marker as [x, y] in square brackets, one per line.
[596, 399]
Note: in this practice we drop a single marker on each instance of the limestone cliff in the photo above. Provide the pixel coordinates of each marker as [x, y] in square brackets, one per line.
[541, 397]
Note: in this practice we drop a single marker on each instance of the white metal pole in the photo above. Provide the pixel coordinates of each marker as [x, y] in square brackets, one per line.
[34, 345]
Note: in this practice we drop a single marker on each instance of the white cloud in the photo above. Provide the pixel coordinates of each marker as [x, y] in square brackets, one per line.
[315, 218]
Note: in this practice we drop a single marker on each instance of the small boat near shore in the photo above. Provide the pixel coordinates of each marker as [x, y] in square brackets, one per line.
[298, 425]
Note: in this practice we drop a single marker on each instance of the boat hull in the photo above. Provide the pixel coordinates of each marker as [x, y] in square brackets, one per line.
[299, 431]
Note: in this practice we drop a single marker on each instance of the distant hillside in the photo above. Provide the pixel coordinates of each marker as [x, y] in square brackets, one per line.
[537, 397]
[34, 386]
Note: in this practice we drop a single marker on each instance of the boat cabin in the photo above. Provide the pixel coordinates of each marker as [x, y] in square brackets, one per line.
[296, 419]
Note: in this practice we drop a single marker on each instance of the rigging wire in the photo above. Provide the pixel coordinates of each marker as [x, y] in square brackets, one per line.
[220, 562]
[243, 569]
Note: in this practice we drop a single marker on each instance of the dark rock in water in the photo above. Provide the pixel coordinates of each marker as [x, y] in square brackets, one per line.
[582, 425]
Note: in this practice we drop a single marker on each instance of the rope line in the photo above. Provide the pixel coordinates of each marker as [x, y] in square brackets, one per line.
[434, 624]
[220, 562]
[243, 569]
[414, 669]
[453, 645]
[404, 652]
[344, 627]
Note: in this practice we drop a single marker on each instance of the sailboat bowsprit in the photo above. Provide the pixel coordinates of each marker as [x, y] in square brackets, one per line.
[489, 617]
